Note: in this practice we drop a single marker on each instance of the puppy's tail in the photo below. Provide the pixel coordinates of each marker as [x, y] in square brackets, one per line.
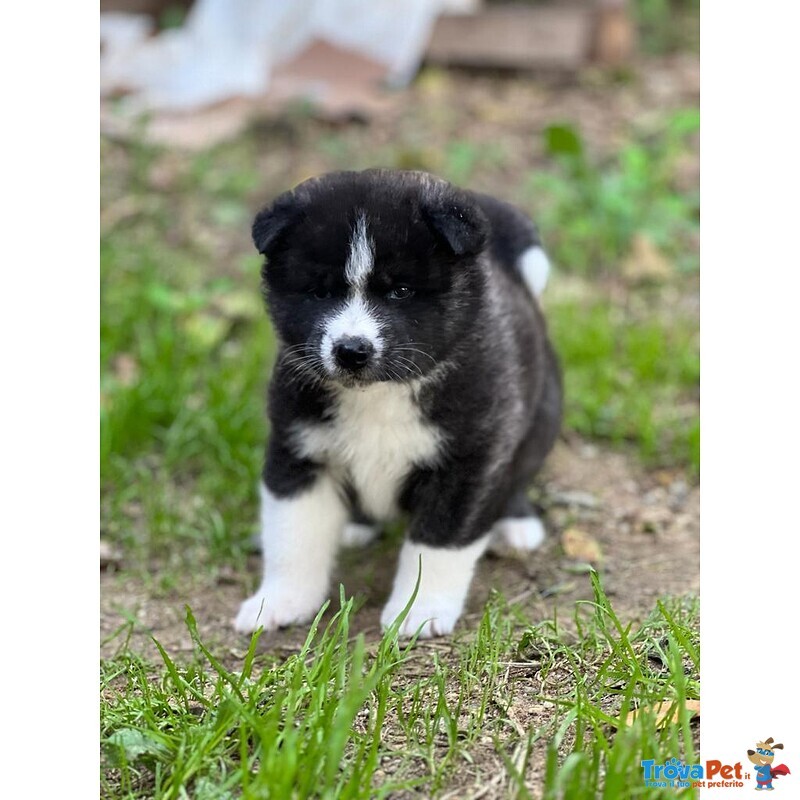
[515, 244]
[534, 265]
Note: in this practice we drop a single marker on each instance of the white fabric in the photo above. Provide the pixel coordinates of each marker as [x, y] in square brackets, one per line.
[228, 47]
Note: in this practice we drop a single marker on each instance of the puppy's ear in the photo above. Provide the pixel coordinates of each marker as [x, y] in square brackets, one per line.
[274, 220]
[458, 221]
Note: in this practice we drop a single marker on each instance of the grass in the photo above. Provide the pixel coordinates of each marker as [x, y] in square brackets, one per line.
[630, 378]
[341, 718]
[626, 683]
[667, 26]
[591, 210]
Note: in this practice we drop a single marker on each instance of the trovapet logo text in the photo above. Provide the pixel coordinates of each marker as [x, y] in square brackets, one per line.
[675, 774]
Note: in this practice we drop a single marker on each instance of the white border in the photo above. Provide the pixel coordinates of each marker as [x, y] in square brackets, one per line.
[49, 315]
[48, 329]
[750, 396]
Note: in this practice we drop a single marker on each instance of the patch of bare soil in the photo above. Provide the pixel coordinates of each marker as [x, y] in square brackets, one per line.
[646, 526]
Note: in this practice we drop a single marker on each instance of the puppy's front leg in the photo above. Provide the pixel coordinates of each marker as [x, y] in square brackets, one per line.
[299, 536]
[449, 532]
[443, 585]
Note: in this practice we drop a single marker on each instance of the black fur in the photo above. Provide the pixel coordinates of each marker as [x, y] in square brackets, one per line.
[486, 376]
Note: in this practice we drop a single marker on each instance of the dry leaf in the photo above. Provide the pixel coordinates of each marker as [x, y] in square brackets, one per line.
[646, 262]
[580, 545]
[668, 711]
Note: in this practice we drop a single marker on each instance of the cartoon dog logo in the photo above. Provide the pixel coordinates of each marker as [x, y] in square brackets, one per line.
[762, 757]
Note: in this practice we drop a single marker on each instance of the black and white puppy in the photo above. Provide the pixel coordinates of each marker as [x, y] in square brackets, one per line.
[414, 377]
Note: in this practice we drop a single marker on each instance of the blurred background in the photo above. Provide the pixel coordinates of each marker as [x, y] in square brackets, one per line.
[584, 114]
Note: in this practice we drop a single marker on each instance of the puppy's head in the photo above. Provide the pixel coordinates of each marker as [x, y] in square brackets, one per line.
[371, 276]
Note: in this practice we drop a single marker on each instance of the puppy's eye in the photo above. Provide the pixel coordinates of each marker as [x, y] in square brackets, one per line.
[400, 293]
[321, 293]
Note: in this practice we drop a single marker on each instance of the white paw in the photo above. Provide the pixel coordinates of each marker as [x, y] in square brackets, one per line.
[517, 533]
[430, 617]
[357, 534]
[274, 606]
[441, 577]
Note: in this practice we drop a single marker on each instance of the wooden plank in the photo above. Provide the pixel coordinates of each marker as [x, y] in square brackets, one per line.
[155, 8]
[554, 37]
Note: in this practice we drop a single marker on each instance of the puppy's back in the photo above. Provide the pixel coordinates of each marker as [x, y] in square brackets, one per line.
[514, 243]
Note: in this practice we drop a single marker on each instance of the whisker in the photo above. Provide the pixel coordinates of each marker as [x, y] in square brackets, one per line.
[392, 368]
[409, 365]
[302, 365]
[412, 349]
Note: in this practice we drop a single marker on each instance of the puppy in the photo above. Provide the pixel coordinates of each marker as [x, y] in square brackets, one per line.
[414, 377]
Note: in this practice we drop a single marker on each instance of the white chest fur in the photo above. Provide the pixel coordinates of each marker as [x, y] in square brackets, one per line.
[374, 440]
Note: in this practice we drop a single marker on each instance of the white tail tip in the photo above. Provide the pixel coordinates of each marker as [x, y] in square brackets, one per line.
[534, 265]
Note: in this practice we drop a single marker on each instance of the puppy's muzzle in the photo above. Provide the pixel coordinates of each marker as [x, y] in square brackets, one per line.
[353, 353]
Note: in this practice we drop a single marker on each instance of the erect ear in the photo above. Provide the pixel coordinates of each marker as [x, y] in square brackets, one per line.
[274, 220]
[458, 221]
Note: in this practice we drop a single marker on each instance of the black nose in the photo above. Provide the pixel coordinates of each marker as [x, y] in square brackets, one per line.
[353, 352]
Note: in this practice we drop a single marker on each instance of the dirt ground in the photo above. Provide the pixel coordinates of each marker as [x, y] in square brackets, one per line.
[645, 524]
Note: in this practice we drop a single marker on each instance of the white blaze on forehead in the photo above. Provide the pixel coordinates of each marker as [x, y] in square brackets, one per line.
[362, 254]
[356, 319]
